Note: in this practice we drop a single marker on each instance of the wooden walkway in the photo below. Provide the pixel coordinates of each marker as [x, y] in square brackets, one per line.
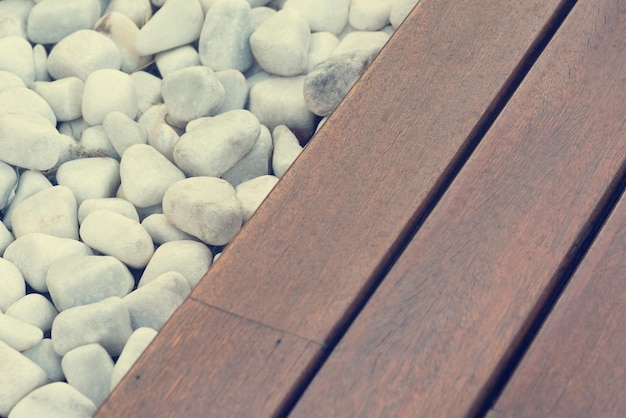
[451, 243]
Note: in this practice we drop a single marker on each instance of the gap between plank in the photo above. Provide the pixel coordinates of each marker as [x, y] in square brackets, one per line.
[482, 127]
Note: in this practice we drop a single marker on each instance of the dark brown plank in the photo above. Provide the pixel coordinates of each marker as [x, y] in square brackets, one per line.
[575, 367]
[215, 346]
[333, 222]
[452, 309]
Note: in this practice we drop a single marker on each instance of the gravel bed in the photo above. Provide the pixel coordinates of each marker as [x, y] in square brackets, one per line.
[136, 138]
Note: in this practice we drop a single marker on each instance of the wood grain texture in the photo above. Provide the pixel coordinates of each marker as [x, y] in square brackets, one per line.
[453, 308]
[223, 361]
[315, 246]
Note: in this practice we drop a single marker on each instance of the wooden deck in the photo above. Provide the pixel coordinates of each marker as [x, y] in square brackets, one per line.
[451, 243]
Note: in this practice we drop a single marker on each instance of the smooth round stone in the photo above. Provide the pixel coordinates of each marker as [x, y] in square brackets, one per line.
[137, 343]
[108, 91]
[30, 182]
[88, 369]
[369, 14]
[366, 41]
[123, 32]
[12, 284]
[216, 145]
[253, 192]
[90, 178]
[258, 15]
[166, 29]
[255, 163]
[54, 400]
[114, 204]
[163, 138]
[148, 88]
[34, 253]
[400, 10]
[6, 238]
[176, 59]
[236, 90]
[19, 334]
[138, 11]
[323, 15]
[8, 183]
[122, 131]
[190, 93]
[64, 96]
[34, 309]
[94, 143]
[44, 356]
[106, 323]
[116, 235]
[73, 128]
[280, 101]
[40, 63]
[14, 15]
[286, 150]
[23, 100]
[146, 174]
[162, 231]
[52, 211]
[20, 376]
[48, 21]
[28, 141]
[281, 44]
[82, 53]
[205, 207]
[224, 40]
[322, 46]
[153, 304]
[82, 280]
[329, 82]
[154, 116]
[192, 259]
[10, 80]
[16, 55]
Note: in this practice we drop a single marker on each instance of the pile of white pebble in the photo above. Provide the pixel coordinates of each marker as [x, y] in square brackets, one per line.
[136, 138]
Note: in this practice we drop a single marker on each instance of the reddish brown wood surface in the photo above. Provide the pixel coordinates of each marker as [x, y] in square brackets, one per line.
[336, 218]
[455, 305]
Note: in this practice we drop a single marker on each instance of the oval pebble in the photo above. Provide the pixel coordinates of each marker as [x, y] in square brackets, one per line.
[90, 178]
[253, 192]
[323, 15]
[162, 231]
[123, 32]
[65, 97]
[286, 150]
[12, 284]
[88, 369]
[254, 163]
[44, 356]
[30, 182]
[34, 309]
[29, 141]
[192, 259]
[18, 334]
[54, 400]
[48, 21]
[16, 55]
[137, 343]
[107, 91]
[114, 204]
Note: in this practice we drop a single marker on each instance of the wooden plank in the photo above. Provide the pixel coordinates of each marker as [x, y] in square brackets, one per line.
[437, 332]
[224, 360]
[575, 366]
[331, 225]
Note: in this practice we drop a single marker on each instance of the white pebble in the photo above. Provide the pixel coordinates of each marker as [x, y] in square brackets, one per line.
[108, 91]
[190, 93]
[123, 32]
[40, 62]
[88, 369]
[286, 150]
[255, 163]
[236, 90]
[281, 44]
[163, 138]
[82, 280]
[162, 231]
[217, 144]
[44, 356]
[137, 343]
[138, 11]
[16, 55]
[94, 143]
[205, 207]
[192, 259]
[34, 309]
[9, 80]
[322, 46]
[114, 204]
[369, 14]
[146, 174]
[400, 10]
[106, 322]
[19, 334]
[82, 53]
[30, 182]
[52, 211]
[12, 284]
[28, 141]
[122, 131]
[33, 254]
[54, 400]
[323, 15]
[224, 40]
[8, 183]
[25, 101]
[148, 89]
[153, 304]
[370, 42]
[90, 178]
[14, 13]
[116, 235]
[19, 374]
[253, 192]
[64, 96]
[6, 238]
[176, 59]
[166, 29]
[48, 21]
